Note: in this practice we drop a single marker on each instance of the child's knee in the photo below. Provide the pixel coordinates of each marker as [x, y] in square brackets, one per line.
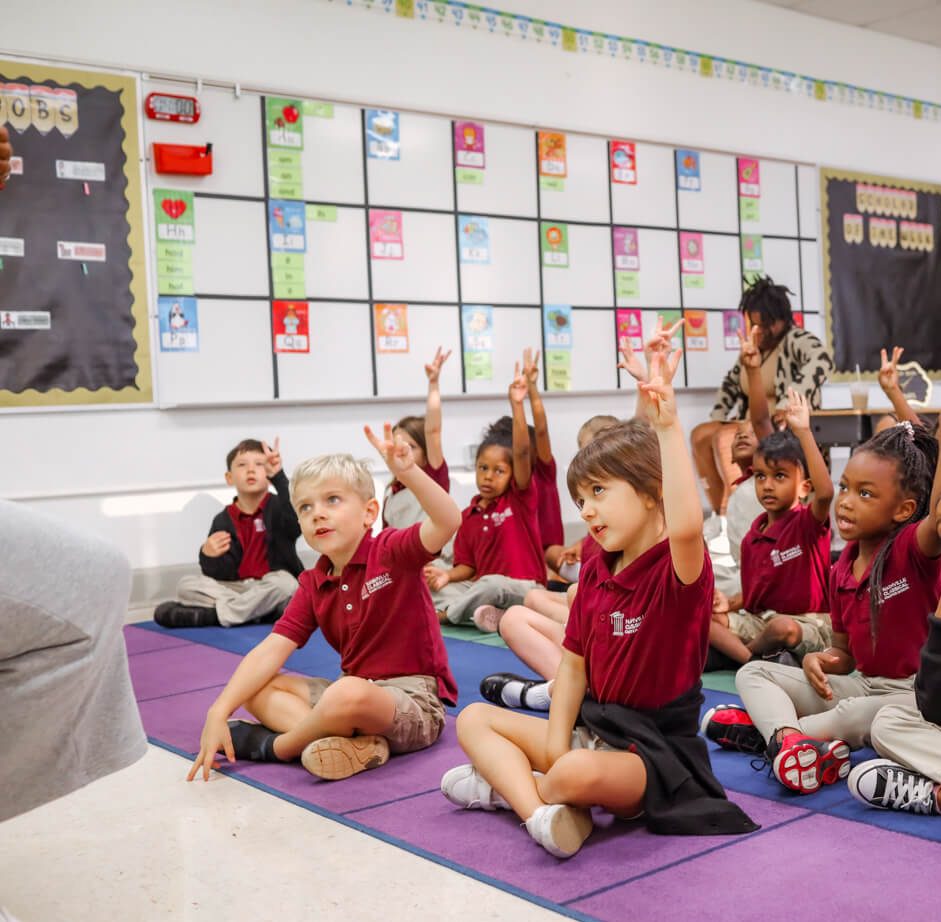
[512, 618]
[473, 720]
[349, 695]
[532, 598]
[572, 778]
[783, 630]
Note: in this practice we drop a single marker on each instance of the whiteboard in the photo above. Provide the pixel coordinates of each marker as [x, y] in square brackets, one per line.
[335, 264]
[715, 206]
[781, 259]
[777, 202]
[232, 125]
[422, 176]
[707, 369]
[429, 326]
[327, 372]
[594, 350]
[514, 329]
[429, 241]
[509, 177]
[584, 196]
[652, 201]
[810, 271]
[512, 274]
[722, 275]
[225, 227]
[658, 281]
[234, 361]
[588, 279]
[332, 159]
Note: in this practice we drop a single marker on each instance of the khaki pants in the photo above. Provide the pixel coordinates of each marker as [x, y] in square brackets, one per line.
[238, 601]
[419, 713]
[901, 734]
[816, 632]
[779, 696]
[458, 600]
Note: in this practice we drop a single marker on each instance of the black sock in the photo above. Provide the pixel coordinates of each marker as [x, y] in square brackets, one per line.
[254, 742]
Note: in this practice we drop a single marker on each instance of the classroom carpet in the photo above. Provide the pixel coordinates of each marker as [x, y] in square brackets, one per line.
[824, 855]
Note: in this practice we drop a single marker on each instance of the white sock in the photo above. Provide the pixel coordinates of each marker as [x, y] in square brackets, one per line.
[570, 571]
[538, 698]
[511, 694]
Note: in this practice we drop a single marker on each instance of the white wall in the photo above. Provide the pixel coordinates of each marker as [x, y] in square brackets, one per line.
[139, 476]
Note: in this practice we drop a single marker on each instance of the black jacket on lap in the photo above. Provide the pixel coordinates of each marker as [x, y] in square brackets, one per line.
[281, 533]
[683, 797]
[928, 679]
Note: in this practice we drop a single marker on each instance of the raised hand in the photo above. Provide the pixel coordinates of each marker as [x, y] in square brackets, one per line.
[272, 457]
[433, 368]
[217, 544]
[658, 403]
[395, 451]
[631, 362]
[518, 387]
[750, 355]
[531, 366]
[889, 371]
[797, 414]
[662, 339]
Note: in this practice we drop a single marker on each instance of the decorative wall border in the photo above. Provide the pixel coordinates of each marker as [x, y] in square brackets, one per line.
[695, 63]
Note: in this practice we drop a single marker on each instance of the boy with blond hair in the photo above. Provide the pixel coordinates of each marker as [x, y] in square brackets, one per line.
[368, 595]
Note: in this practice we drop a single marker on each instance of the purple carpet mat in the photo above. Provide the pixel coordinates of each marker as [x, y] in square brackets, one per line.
[839, 862]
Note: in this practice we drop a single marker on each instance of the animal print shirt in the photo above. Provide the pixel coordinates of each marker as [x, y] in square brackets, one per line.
[802, 363]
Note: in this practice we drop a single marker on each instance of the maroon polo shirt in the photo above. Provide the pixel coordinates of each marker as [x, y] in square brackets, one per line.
[253, 536]
[590, 548]
[643, 634]
[909, 592]
[440, 475]
[377, 614]
[550, 507]
[504, 537]
[786, 565]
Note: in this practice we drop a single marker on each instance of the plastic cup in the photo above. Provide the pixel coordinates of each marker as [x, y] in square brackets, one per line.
[859, 395]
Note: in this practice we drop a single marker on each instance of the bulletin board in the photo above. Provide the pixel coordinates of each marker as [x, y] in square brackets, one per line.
[335, 247]
[882, 269]
[74, 326]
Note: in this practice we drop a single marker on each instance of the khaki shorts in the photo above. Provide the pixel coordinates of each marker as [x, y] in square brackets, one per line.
[816, 633]
[583, 738]
[419, 713]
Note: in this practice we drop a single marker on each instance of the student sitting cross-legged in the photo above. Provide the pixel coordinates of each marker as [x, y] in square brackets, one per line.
[368, 596]
[622, 725]
[249, 563]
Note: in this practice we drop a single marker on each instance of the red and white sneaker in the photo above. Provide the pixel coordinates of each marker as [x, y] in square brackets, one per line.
[804, 764]
[730, 726]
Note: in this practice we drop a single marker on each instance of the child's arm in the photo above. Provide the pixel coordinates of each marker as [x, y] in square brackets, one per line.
[443, 516]
[433, 453]
[568, 693]
[797, 417]
[929, 541]
[522, 462]
[256, 670]
[750, 360]
[889, 382]
[540, 423]
[681, 508]
[835, 660]
[274, 470]
[436, 578]
[658, 343]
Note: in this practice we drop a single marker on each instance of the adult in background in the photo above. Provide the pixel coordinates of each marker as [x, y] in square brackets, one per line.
[791, 357]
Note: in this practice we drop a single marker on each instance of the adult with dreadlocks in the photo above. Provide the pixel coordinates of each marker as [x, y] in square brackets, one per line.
[791, 357]
[885, 581]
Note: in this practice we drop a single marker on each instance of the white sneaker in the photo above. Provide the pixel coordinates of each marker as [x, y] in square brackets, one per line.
[885, 785]
[560, 829]
[487, 618]
[465, 787]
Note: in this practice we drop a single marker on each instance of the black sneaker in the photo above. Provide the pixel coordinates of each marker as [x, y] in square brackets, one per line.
[730, 726]
[882, 784]
[491, 687]
[175, 614]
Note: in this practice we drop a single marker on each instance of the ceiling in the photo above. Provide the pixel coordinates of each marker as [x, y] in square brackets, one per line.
[917, 20]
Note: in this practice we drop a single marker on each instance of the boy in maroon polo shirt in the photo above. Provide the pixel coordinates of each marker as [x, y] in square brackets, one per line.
[249, 562]
[786, 553]
[368, 596]
[498, 549]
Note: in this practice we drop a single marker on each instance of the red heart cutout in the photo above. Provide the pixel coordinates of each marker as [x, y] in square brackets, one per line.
[173, 207]
[290, 113]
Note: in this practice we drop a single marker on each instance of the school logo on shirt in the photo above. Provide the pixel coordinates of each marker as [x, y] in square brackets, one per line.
[620, 625]
[259, 524]
[780, 557]
[894, 589]
[498, 518]
[375, 584]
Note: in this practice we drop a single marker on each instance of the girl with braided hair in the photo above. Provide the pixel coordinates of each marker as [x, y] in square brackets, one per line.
[881, 591]
[791, 357]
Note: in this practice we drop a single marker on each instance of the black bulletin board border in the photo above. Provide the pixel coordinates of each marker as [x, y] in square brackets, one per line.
[127, 86]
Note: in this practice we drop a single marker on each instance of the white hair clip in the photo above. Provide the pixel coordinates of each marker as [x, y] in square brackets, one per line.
[908, 427]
